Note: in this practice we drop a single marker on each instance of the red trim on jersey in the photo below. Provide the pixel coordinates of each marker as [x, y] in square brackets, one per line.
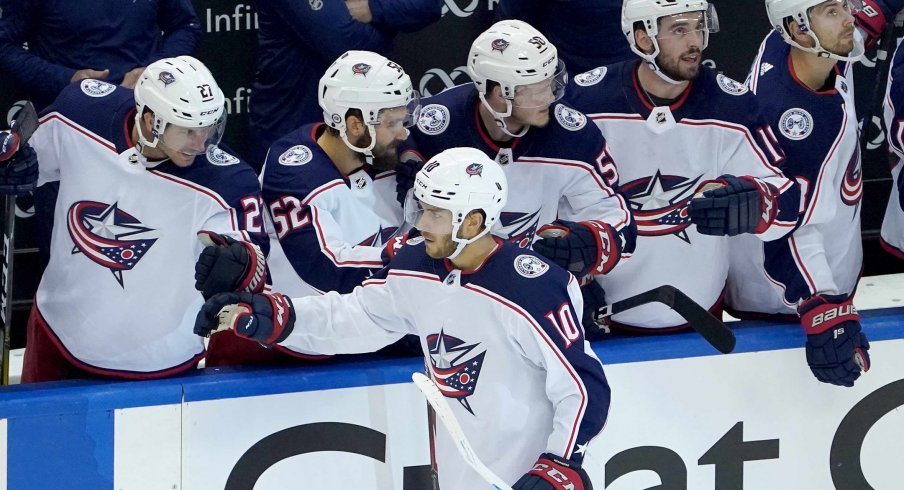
[486, 137]
[804, 85]
[125, 128]
[314, 133]
[552, 346]
[638, 89]
[891, 249]
[59, 117]
[801, 266]
[384, 175]
[326, 250]
[203, 190]
[325, 187]
[450, 266]
[40, 322]
[810, 207]
[429, 277]
[622, 117]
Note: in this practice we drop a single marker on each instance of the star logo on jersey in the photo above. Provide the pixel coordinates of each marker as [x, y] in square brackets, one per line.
[520, 228]
[852, 186]
[660, 204]
[455, 368]
[104, 234]
[499, 45]
[379, 238]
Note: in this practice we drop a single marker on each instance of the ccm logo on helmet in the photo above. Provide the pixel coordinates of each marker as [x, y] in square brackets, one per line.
[209, 112]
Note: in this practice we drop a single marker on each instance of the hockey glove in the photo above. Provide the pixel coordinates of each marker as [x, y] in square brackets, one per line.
[871, 21]
[837, 351]
[554, 473]
[227, 265]
[18, 166]
[267, 318]
[741, 205]
[595, 326]
[406, 171]
[396, 243]
[585, 247]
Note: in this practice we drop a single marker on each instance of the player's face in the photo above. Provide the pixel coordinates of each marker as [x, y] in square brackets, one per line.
[681, 39]
[530, 106]
[182, 145]
[391, 132]
[435, 225]
[833, 23]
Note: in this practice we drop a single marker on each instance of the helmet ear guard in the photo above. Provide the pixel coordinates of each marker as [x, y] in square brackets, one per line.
[369, 83]
[460, 181]
[798, 11]
[186, 102]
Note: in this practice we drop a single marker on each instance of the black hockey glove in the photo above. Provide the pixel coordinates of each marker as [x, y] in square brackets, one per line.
[740, 205]
[595, 327]
[585, 247]
[227, 265]
[837, 351]
[406, 170]
[267, 318]
[554, 473]
[18, 166]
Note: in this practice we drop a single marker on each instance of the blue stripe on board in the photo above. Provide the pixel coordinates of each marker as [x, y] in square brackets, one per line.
[79, 457]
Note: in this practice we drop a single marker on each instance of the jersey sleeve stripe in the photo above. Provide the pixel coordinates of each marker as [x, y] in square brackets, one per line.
[801, 266]
[323, 188]
[203, 190]
[329, 253]
[59, 117]
[811, 206]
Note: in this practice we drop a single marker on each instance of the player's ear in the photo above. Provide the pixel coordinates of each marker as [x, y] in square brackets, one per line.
[642, 39]
[799, 33]
[354, 126]
[473, 223]
[148, 118]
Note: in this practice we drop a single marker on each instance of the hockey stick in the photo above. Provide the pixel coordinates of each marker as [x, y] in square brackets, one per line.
[23, 120]
[445, 415]
[711, 328]
[872, 118]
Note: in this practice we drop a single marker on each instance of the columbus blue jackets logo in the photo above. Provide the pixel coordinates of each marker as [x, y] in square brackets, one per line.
[660, 204]
[569, 118]
[520, 228]
[455, 367]
[217, 156]
[796, 124]
[474, 170]
[360, 69]
[529, 266]
[106, 236]
[730, 86]
[499, 45]
[380, 237]
[591, 77]
[96, 88]
[297, 155]
[852, 186]
[166, 77]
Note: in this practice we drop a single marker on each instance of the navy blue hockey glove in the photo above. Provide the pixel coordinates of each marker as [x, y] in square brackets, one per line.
[18, 165]
[406, 170]
[551, 472]
[740, 205]
[227, 265]
[584, 247]
[837, 351]
[267, 318]
[595, 327]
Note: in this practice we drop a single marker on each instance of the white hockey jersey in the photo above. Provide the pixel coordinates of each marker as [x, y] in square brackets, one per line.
[663, 155]
[119, 292]
[327, 231]
[818, 131]
[892, 234]
[505, 345]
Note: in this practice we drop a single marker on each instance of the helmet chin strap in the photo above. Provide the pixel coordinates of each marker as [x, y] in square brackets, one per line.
[853, 56]
[464, 242]
[368, 152]
[500, 117]
[659, 73]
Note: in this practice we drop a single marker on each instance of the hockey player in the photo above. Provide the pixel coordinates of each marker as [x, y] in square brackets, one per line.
[802, 76]
[892, 234]
[677, 130]
[330, 189]
[558, 163]
[489, 314]
[140, 174]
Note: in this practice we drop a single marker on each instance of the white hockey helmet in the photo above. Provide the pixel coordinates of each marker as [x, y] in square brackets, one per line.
[648, 12]
[189, 107]
[799, 11]
[370, 83]
[460, 180]
[515, 55]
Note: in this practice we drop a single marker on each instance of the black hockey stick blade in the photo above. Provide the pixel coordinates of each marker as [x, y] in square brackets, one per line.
[23, 120]
[711, 328]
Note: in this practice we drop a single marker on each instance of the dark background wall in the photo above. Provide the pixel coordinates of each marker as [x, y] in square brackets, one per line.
[435, 58]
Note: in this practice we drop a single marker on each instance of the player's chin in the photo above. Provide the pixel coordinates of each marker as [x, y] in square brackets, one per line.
[182, 159]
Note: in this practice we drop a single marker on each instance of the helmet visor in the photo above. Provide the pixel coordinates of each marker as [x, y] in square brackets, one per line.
[699, 23]
[193, 141]
[402, 116]
[542, 94]
[427, 218]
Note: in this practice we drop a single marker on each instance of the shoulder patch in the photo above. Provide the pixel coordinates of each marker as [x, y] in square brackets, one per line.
[730, 86]
[591, 77]
[217, 156]
[530, 266]
[434, 119]
[569, 118]
[96, 88]
[297, 155]
[796, 124]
